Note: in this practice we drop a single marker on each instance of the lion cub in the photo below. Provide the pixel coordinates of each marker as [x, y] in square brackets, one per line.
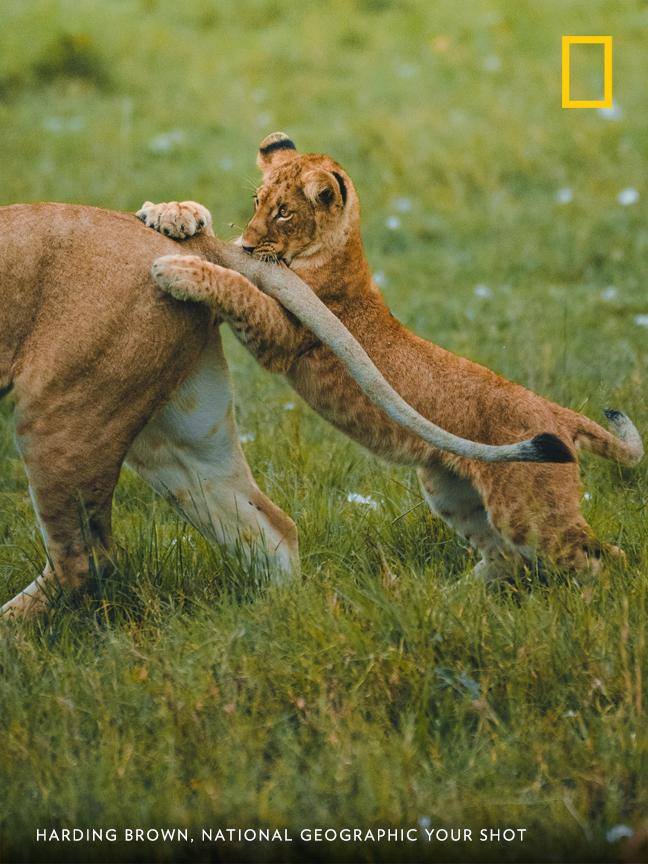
[307, 216]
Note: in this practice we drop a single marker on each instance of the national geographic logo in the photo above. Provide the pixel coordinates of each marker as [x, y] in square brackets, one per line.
[567, 42]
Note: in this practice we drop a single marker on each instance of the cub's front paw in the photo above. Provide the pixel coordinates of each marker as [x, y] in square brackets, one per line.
[178, 220]
[181, 276]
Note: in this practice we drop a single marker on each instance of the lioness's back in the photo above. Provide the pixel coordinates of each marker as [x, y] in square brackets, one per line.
[75, 289]
[39, 242]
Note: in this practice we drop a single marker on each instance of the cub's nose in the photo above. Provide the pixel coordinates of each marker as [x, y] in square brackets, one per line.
[248, 249]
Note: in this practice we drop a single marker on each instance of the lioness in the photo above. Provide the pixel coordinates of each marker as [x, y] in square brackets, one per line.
[106, 367]
[307, 215]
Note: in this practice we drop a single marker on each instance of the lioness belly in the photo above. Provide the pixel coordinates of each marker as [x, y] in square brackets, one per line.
[196, 426]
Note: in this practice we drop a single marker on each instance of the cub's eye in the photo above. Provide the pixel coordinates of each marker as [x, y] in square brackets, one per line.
[283, 212]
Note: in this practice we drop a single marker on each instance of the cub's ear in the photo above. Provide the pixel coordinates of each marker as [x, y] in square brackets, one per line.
[273, 150]
[325, 188]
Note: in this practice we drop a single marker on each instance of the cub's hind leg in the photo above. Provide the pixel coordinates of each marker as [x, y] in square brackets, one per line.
[455, 500]
[536, 510]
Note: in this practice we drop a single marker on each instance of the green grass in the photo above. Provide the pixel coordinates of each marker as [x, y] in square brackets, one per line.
[387, 687]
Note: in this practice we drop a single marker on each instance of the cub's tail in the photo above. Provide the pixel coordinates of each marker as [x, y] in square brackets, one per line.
[624, 446]
[188, 277]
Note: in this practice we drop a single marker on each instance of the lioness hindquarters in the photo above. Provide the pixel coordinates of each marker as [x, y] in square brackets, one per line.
[191, 455]
[72, 469]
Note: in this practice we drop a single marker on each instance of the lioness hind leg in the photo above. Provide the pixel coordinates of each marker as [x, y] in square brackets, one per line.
[220, 498]
[190, 453]
[74, 515]
[68, 570]
[72, 455]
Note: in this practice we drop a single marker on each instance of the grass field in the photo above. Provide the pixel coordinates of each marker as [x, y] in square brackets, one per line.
[387, 688]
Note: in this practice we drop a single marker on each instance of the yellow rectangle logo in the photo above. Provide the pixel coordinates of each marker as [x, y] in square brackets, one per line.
[606, 101]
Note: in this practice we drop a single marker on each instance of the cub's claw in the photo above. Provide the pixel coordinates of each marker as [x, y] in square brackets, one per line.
[147, 214]
[178, 220]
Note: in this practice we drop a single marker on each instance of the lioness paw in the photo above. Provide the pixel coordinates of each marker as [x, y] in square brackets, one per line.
[181, 276]
[178, 220]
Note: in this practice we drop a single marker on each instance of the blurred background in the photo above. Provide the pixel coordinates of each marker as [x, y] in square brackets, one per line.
[483, 200]
[497, 224]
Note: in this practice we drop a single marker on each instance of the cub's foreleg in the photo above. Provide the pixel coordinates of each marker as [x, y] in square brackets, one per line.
[259, 322]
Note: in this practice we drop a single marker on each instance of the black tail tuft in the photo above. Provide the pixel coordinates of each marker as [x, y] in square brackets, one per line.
[613, 415]
[550, 448]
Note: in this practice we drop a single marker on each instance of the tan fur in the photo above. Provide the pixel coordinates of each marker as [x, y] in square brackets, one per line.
[107, 369]
[104, 367]
[308, 217]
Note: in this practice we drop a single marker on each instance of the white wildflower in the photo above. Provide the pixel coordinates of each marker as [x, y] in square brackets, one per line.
[380, 278]
[247, 437]
[587, 496]
[166, 142]
[367, 500]
[288, 406]
[53, 124]
[60, 125]
[609, 293]
[483, 291]
[628, 196]
[406, 70]
[458, 117]
[393, 223]
[492, 63]
[618, 832]
[424, 822]
[641, 320]
[402, 204]
[614, 112]
[226, 163]
[565, 195]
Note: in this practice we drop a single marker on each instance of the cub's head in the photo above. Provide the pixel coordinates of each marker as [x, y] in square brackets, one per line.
[304, 208]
